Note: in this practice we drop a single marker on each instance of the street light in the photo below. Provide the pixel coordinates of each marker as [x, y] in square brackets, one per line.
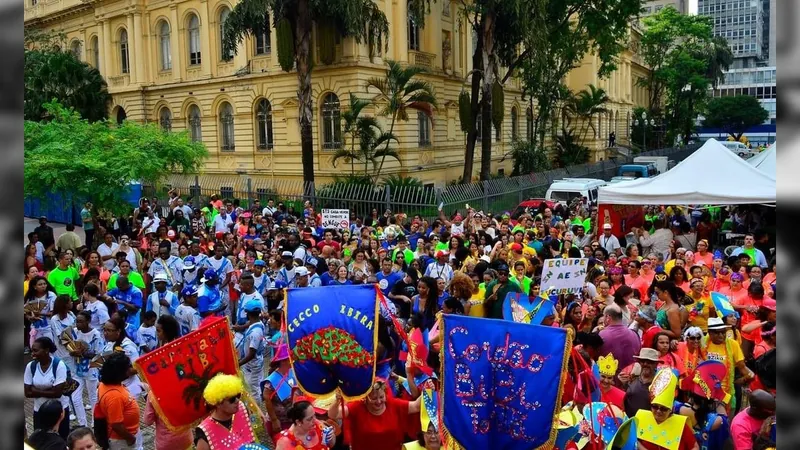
[644, 122]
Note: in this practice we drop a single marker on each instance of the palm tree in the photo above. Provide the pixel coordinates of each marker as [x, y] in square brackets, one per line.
[402, 93]
[364, 138]
[719, 58]
[585, 105]
[359, 19]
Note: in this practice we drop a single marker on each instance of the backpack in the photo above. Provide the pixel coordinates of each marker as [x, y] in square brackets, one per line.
[70, 385]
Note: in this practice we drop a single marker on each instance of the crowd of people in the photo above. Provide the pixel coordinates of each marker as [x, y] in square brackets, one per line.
[93, 307]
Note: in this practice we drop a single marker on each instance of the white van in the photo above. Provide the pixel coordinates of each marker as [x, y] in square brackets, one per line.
[739, 148]
[564, 191]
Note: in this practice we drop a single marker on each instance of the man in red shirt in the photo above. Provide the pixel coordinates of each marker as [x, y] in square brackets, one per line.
[329, 242]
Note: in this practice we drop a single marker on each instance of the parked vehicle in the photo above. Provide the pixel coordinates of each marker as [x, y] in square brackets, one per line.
[661, 162]
[564, 191]
[620, 179]
[740, 149]
[637, 170]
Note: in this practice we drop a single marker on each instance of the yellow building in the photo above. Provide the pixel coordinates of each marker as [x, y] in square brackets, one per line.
[163, 63]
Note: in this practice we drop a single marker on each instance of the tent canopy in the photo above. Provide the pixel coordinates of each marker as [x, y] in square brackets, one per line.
[766, 161]
[711, 175]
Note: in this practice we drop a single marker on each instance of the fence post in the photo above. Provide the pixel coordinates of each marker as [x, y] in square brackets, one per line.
[387, 197]
[437, 193]
[196, 191]
[486, 195]
[249, 192]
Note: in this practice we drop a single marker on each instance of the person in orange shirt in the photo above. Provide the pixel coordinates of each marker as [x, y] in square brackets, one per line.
[690, 352]
[635, 280]
[702, 254]
[116, 405]
[661, 343]
[748, 307]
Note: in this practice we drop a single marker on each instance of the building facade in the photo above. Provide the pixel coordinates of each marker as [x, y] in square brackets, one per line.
[163, 62]
[654, 6]
[742, 23]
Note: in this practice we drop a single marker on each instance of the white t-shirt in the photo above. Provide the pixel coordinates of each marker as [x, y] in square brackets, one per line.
[610, 243]
[45, 380]
[58, 325]
[222, 224]
[105, 250]
[188, 318]
[99, 312]
[241, 315]
[254, 338]
[150, 225]
[146, 336]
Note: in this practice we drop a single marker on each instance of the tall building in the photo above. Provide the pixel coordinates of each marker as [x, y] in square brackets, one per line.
[770, 30]
[164, 64]
[654, 6]
[741, 22]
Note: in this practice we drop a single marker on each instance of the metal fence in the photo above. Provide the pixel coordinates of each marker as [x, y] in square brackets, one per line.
[497, 195]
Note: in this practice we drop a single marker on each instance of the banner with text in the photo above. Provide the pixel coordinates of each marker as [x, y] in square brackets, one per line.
[333, 337]
[336, 218]
[566, 275]
[179, 371]
[499, 391]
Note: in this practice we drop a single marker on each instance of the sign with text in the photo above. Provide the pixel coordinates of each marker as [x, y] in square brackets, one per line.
[502, 382]
[336, 218]
[566, 275]
[333, 335]
[179, 371]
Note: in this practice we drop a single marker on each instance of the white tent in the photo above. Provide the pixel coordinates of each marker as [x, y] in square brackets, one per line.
[710, 175]
[766, 161]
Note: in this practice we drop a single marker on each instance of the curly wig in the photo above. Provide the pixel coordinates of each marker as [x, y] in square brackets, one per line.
[462, 286]
[222, 386]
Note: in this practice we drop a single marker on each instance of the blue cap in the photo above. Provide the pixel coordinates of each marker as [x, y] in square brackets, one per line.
[277, 285]
[252, 305]
[189, 290]
[260, 263]
[312, 261]
[660, 269]
[188, 262]
[209, 274]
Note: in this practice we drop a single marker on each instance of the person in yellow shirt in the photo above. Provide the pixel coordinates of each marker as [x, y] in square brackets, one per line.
[701, 307]
[478, 294]
[718, 347]
[428, 438]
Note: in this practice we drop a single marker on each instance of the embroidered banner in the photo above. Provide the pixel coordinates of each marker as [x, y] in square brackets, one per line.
[502, 382]
[178, 372]
[567, 275]
[333, 337]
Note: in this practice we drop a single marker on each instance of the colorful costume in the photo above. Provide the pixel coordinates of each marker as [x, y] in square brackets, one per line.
[707, 383]
[219, 389]
[299, 445]
[608, 366]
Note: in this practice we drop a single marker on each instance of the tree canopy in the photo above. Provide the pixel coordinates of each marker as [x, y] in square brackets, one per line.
[98, 160]
[735, 114]
[51, 73]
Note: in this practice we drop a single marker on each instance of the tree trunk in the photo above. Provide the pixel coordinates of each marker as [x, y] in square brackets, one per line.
[303, 62]
[472, 136]
[488, 24]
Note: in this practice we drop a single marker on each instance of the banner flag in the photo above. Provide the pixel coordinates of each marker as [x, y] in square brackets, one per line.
[178, 372]
[502, 382]
[564, 276]
[333, 338]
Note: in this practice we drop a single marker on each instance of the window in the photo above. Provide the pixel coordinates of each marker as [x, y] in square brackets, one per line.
[195, 123]
[223, 16]
[76, 49]
[263, 44]
[413, 35]
[264, 122]
[165, 119]
[529, 124]
[226, 126]
[95, 52]
[124, 62]
[164, 45]
[423, 130]
[514, 126]
[331, 129]
[194, 41]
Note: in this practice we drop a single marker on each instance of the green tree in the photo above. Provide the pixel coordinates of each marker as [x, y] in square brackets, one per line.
[528, 158]
[360, 19]
[585, 105]
[735, 114]
[569, 150]
[53, 74]
[97, 160]
[365, 140]
[401, 93]
[568, 31]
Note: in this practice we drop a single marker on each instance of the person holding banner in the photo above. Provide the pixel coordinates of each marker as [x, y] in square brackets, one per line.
[228, 425]
[277, 390]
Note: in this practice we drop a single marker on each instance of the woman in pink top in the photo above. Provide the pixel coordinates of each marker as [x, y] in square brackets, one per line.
[635, 280]
[703, 254]
[736, 293]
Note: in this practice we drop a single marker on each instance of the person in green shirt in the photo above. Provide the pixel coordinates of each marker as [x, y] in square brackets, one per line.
[520, 278]
[180, 223]
[497, 290]
[125, 269]
[64, 276]
[402, 247]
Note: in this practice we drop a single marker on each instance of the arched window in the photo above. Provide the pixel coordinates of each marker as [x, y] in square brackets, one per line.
[226, 127]
[529, 124]
[263, 44]
[331, 129]
[514, 125]
[423, 129]
[194, 40]
[413, 34]
[165, 119]
[223, 16]
[95, 52]
[264, 123]
[195, 121]
[124, 62]
[77, 50]
[121, 115]
[164, 46]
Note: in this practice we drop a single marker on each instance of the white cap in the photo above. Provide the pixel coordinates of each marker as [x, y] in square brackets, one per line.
[607, 226]
[301, 271]
[160, 276]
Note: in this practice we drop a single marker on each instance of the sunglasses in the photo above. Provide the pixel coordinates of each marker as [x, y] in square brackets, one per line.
[660, 408]
[234, 399]
[693, 338]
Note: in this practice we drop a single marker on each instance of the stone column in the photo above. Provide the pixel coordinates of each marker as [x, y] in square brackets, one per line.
[141, 59]
[105, 40]
[400, 41]
[175, 33]
[207, 30]
[132, 51]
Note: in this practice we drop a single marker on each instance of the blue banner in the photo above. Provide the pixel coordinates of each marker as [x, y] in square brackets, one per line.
[502, 382]
[333, 336]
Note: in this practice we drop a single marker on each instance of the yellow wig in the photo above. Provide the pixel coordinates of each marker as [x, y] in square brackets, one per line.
[222, 386]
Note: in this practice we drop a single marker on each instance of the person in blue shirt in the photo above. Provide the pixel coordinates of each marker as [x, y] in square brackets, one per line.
[313, 279]
[191, 271]
[128, 298]
[386, 278]
[170, 265]
[209, 299]
[162, 301]
[261, 281]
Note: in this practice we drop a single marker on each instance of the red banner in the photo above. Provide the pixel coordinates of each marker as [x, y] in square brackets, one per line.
[621, 217]
[179, 371]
